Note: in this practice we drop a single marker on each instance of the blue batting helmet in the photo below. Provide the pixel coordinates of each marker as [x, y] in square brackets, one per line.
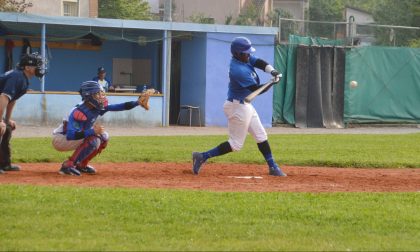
[88, 91]
[241, 45]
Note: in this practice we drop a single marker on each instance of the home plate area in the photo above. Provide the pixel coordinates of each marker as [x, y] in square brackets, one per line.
[246, 177]
[222, 177]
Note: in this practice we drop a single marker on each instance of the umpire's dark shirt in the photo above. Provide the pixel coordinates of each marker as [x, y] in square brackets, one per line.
[13, 84]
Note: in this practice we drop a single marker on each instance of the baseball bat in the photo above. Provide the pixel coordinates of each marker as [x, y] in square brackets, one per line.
[264, 87]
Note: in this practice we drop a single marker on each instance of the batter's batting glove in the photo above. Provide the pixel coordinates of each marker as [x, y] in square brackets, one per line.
[276, 75]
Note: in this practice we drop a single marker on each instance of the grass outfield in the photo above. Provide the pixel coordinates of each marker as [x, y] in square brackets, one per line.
[392, 151]
[69, 218]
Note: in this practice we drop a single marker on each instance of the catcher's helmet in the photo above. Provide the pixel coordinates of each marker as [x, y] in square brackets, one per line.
[241, 45]
[94, 94]
[35, 60]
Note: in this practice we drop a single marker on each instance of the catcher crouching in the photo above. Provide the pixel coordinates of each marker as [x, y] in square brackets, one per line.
[79, 132]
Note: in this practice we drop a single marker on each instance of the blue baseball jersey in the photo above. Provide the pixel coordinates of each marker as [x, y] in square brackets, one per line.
[82, 118]
[14, 84]
[106, 83]
[242, 75]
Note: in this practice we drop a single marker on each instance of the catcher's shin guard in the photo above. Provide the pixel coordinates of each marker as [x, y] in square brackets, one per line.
[90, 147]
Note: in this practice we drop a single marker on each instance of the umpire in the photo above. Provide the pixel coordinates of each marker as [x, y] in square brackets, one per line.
[13, 85]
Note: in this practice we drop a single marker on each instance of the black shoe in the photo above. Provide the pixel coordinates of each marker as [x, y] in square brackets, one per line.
[198, 161]
[2, 172]
[276, 171]
[10, 168]
[66, 169]
[88, 169]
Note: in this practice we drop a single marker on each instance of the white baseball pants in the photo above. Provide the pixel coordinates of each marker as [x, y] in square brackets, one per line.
[243, 118]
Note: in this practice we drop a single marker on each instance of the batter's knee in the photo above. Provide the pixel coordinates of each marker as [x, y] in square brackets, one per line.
[236, 145]
[261, 139]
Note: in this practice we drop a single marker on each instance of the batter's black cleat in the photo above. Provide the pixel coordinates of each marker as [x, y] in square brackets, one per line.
[68, 170]
[2, 172]
[198, 161]
[276, 171]
[10, 168]
[88, 169]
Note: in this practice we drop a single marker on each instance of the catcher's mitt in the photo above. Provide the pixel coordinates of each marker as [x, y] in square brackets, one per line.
[144, 98]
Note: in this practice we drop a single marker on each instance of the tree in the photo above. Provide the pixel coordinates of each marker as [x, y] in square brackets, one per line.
[250, 15]
[201, 18]
[287, 27]
[125, 9]
[399, 13]
[14, 5]
[228, 19]
[273, 17]
[415, 43]
[332, 10]
[385, 12]
[324, 10]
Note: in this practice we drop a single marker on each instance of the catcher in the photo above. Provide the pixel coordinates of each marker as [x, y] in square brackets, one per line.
[79, 132]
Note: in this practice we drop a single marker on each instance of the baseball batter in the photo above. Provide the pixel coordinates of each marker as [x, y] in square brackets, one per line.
[242, 117]
[13, 85]
[79, 132]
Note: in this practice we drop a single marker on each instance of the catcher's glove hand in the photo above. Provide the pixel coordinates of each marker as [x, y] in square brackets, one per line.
[144, 98]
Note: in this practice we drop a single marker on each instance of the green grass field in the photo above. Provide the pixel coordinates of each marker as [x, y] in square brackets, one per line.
[385, 151]
[69, 218]
[65, 218]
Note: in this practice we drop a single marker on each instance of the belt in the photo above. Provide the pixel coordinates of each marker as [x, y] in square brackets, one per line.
[240, 101]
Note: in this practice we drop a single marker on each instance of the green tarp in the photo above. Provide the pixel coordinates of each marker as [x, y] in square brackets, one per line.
[388, 78]
[285, 61]
[388, 89]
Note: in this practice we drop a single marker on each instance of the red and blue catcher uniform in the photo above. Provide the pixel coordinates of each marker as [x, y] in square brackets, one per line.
[77, 132]
[80, 126]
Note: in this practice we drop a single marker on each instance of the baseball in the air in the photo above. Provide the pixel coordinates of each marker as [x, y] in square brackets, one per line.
[353, 84]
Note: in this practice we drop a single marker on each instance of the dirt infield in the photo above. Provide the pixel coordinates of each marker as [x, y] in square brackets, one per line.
[223, 177]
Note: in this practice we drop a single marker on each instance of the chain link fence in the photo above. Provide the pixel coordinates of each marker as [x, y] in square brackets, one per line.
[351, 33]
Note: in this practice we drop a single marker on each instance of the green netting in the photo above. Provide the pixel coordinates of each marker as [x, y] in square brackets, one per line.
[388, 87]
[285, 61]
[279, 91]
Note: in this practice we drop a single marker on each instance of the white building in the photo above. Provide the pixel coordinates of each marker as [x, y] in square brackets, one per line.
[360, 32]
[75, 8]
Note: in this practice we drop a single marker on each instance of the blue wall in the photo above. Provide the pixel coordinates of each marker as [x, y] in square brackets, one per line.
[68, 68]
[193, 73]
[217, 76]
[204, 70]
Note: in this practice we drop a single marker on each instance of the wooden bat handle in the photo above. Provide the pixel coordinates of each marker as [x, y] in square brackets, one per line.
[264, 87]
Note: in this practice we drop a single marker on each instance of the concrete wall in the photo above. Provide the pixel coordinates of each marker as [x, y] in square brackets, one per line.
[46, 7]
[217, 9]
[50, 109]
[217, 76]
